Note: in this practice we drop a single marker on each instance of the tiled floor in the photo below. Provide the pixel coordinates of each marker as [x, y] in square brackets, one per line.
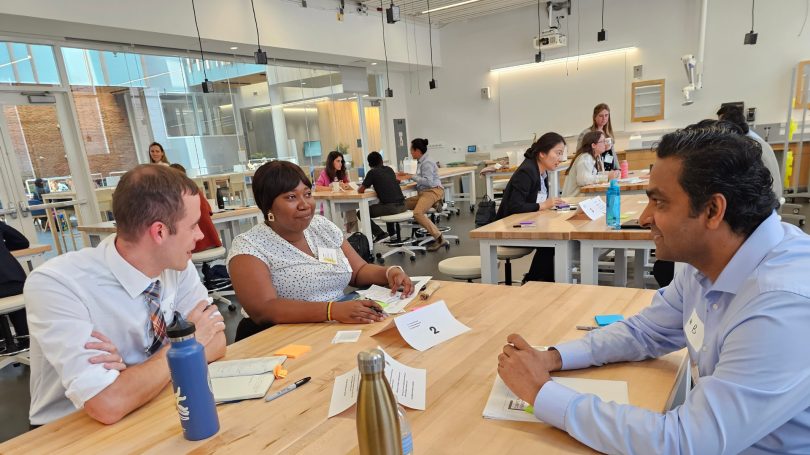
[14, 380]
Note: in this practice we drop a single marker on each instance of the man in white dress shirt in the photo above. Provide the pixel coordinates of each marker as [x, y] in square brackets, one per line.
[97, 316]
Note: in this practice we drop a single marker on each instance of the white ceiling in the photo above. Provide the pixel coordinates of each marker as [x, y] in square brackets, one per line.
[414, 8]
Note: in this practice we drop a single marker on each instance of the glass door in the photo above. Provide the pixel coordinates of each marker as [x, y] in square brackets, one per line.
[47, 191]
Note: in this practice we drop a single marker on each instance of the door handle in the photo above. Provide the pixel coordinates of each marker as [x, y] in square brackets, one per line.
[11, 211]
[24, 209]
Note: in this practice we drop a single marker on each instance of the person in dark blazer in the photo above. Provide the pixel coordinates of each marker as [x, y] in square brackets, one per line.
[528, 191]
[12, 275]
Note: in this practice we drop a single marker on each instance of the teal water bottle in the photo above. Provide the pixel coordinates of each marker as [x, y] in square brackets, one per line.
[614, 203]
[191, 385]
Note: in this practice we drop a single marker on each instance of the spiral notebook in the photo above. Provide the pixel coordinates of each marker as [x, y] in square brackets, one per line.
[245, 379]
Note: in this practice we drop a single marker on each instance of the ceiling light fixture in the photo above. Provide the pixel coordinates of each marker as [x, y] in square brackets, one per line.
[515, 66]
[207, 86]
[234, 48]
[260, 58]
[602, 34]
[373, 63]
[388, 92]
[432, 83]
[448, 6]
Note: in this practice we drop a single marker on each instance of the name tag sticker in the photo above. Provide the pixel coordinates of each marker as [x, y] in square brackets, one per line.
[541, 197]
[609, 158]
[327, 255]
[694, 331]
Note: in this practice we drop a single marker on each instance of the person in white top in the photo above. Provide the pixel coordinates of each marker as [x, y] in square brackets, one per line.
[157, 155]
[294, 267]
[586, 165]
[97, 336]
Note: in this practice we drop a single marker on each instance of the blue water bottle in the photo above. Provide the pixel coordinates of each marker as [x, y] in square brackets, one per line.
[614, 205]
[191, 385]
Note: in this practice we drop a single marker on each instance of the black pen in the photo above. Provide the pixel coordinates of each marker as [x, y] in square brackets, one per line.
[288, 389]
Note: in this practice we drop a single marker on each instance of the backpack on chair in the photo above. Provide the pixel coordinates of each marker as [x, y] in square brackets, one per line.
[486, 212]
[359, 242]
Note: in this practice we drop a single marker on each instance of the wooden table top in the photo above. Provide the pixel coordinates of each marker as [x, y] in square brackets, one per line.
[597, 229]
[32, 249]
[109, 226]
[551, 224]
[602, 188]
[460, 375]
[353, 194]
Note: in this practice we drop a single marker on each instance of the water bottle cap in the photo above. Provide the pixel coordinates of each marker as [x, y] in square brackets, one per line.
[371, 361]
[180, 327]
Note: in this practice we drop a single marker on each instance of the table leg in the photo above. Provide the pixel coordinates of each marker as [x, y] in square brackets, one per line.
[489, 262]
[490, 190]
[638, 266]
[620, 267]
[365, 223]
[52, 224]
[554, 183]
[563, 256]
[471, 189]
[589, 263]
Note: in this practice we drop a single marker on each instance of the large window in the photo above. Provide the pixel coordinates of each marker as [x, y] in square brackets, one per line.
[256, 113]
[27, 64]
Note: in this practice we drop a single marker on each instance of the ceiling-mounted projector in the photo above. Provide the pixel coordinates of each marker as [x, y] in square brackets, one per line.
[550, 39]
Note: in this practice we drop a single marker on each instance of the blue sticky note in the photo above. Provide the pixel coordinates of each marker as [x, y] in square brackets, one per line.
[608, 319]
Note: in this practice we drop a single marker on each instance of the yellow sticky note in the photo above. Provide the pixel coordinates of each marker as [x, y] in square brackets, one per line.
[624, 216]
[293, 351]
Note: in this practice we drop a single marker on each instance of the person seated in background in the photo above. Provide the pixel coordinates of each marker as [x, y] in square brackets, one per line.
[384, 181]
[98, 316]
[335, 172]
[586, 165]
[40, 188]
[294, 267]
[430, 191]
[527, 191]
[739, 307]
[210, 235]
[12, 274]
[733, 115]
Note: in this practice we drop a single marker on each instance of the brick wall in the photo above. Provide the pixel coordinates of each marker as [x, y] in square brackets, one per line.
[105, 131]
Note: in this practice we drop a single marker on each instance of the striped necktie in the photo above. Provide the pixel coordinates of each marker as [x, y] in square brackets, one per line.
[158, 326]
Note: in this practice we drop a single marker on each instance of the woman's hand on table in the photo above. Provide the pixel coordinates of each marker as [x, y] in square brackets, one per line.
[397, 278]
[613, 175]
[357, 312]
[552, 202]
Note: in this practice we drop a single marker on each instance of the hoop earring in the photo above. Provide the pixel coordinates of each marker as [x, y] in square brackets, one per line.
[270, 216]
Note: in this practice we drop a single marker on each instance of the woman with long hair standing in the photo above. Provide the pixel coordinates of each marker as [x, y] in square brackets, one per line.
[157, 155]
[601, 122]
[586, 165]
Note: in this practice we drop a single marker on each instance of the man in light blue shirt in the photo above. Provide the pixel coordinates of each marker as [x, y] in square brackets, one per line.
[741, 307]
[430, 191]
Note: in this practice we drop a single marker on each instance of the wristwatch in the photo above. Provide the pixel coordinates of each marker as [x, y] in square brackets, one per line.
[392, 267]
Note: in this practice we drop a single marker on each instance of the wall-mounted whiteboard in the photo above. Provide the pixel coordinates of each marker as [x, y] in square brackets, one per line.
[543, 98]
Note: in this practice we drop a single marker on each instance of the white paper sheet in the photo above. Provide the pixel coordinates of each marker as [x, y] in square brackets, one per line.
[428, 327]
[380, 294]
[397, 305]
[594, 207]
[630, 180]
[505, 405]
[344, 394]
[347, 336]
[408, 384]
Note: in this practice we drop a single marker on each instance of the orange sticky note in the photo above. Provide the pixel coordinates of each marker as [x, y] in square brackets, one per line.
[279, 373]
[293, 351]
